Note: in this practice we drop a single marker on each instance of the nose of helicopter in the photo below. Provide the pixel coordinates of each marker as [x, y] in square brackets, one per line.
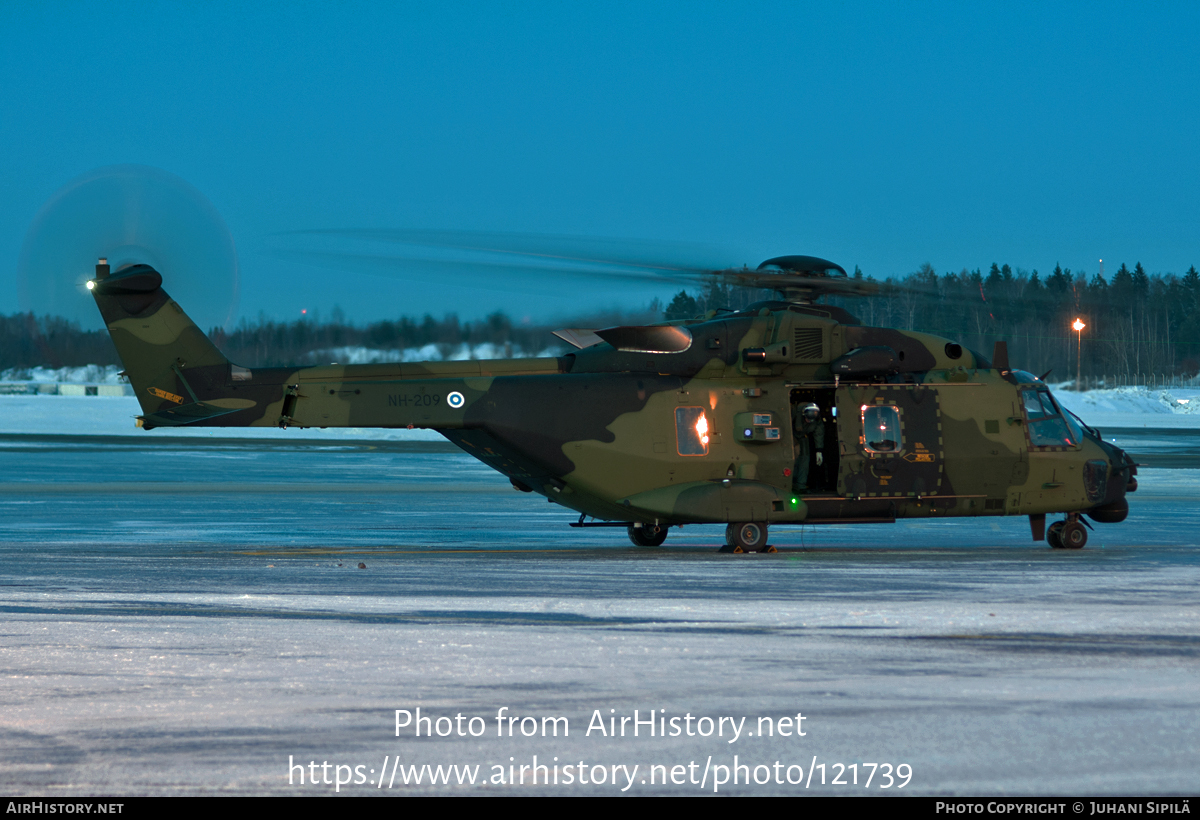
[1128, 469]
[1122, 479]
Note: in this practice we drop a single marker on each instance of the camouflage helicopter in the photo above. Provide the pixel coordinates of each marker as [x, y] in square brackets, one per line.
[786, 411]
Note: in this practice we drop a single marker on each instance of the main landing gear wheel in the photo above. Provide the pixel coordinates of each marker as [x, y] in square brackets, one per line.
[648, 535]
[1054, 535]
[747, 537]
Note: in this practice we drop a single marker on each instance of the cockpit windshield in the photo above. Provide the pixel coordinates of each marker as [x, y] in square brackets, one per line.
[1048, 426]
[1078, 425]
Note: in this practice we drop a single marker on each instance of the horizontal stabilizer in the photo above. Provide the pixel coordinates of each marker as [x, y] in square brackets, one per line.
[184, 414]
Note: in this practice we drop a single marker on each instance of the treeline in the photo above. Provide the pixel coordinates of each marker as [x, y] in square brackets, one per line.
[268, 343]
[1136, 323]
[51, 341]
[28, 341]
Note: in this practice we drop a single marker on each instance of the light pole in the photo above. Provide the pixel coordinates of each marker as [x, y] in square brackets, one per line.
[1078, 325]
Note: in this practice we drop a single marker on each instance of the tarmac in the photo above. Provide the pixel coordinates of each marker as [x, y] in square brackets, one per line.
[213, 616]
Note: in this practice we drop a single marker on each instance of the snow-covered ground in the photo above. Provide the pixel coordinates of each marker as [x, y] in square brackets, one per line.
[1160, 407]
[114, 416]
[88, 374]
[189, 620]
[110, 374]
[428, 353]
[1124, 407]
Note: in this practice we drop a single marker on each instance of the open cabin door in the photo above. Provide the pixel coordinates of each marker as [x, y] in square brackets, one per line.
[890, 437]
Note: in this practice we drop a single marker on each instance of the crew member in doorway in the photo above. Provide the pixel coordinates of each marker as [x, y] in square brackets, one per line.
[810, 437]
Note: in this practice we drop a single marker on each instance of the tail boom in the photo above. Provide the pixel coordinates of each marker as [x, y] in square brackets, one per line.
[180, 378]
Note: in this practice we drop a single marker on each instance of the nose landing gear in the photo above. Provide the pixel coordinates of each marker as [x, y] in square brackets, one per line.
[1070, 534]
[647, 535]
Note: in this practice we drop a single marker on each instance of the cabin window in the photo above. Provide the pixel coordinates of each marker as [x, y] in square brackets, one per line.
[691, 431]
[1047, 428]
[881, 429]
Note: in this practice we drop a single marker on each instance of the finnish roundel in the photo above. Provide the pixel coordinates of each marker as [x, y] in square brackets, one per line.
[455, 400]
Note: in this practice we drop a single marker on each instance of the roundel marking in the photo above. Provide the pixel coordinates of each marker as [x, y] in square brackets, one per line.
[456, 400]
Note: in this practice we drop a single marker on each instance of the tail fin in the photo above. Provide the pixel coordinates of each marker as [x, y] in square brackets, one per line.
[167, 358]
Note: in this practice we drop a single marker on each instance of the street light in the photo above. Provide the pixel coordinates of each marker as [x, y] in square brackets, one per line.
[1078, 327]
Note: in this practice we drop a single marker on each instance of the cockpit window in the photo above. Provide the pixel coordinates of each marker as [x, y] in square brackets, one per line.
[1035, 407]
[1047, 427]
[1073, 423]
[881, 429]
[1079, 427]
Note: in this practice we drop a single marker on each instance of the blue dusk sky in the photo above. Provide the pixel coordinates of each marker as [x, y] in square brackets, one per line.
[882, 135]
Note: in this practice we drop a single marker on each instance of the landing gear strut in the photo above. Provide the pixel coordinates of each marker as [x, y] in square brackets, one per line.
[1067, 535]
[648, 535]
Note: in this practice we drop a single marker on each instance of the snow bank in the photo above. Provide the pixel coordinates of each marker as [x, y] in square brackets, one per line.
[88, 374]
[428, 353]
[1171, 407]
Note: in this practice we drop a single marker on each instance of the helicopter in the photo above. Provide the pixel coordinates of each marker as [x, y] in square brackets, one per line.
[787, 411]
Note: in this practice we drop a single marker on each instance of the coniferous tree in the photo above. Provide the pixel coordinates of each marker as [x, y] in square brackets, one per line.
[1141, 282]
[682, 306]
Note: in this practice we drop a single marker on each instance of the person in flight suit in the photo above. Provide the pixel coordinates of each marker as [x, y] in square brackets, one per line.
[809, 436]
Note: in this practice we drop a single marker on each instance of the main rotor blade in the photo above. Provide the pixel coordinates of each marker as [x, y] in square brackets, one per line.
[503, 276]
[496, 261]
[675, 257]
[518, 262]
